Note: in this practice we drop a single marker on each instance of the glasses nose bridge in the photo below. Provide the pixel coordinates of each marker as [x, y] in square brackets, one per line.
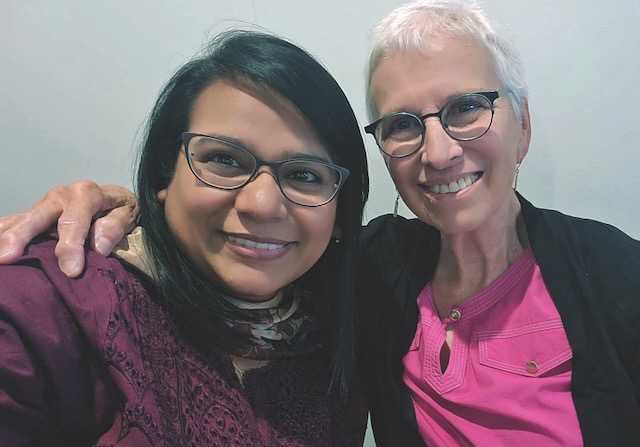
[271, 169]
[274, 169]
[273, 172]
[423, 121]
[426, 116]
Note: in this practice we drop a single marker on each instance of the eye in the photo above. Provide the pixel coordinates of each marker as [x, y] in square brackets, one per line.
[304, 175]
[472, 104]
[219, 158]
[466, 110]
[403, 124]
[400, 127]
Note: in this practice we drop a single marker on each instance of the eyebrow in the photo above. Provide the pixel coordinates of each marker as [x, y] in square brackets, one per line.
[468, 92]
[448, 98]
[286, 154]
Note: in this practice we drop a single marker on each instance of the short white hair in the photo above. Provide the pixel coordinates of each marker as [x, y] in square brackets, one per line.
[420, 24]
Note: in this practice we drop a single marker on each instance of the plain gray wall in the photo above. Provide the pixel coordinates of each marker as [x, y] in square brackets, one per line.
[77, 79]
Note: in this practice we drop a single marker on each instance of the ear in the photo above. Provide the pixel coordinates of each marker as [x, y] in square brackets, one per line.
[162, 195]
[523, 147]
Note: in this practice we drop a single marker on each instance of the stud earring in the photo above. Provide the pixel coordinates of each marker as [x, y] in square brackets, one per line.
[337, 240]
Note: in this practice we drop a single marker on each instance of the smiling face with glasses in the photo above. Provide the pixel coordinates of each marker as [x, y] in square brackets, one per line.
[253, 199]
[449, 134]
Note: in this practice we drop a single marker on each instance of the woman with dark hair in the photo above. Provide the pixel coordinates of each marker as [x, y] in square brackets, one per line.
[226, 317]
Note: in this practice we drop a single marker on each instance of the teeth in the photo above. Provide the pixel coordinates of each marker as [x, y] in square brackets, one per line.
[453, 187]
[253, 244]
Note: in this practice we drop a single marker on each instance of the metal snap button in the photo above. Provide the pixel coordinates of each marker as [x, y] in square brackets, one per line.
[532, 367]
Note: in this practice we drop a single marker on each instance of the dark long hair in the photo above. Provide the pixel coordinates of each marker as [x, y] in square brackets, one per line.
[256, 60]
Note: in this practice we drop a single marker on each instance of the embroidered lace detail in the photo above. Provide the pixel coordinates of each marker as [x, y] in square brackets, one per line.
[189, 398]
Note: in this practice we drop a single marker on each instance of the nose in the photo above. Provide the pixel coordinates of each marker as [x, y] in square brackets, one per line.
[439, 150]
[261, 198]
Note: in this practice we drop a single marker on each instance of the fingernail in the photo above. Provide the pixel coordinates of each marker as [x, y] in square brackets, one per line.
[69, 268]
[102, 245]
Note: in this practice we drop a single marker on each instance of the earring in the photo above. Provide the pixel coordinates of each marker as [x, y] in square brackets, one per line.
[337, 240]
[395, 205]
[515, 182]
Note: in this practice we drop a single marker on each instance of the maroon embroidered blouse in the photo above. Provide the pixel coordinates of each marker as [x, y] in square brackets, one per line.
[94, 361]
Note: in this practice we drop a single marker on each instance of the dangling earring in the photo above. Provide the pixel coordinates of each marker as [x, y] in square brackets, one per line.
[515, 182]
[395, 205]
[337, 240]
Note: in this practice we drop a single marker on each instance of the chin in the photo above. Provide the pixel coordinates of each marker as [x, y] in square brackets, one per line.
[459, 223]
[254, 293]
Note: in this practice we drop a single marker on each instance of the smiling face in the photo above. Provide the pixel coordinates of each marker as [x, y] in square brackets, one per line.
[456, 186]
[251, 241]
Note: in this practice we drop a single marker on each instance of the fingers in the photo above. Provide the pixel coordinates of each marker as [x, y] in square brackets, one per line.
[73, 208]
[77, 204]
[82, 201]
[119, 212]
[109, 229]
[11, 246]
[17, 230]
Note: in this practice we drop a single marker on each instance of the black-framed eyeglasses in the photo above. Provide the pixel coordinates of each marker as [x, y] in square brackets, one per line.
[464, 118]
[225, 165]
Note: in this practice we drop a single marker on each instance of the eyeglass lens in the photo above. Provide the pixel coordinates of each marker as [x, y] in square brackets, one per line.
[464, 118]
[223, 165]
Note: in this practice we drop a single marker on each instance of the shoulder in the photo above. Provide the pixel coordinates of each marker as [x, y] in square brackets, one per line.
[390, 233]
[52, 332]
[596, 243]
[40, 254]
[34, 289]
[591, 265]
[391, 245]
[397, 259]
[388, 224]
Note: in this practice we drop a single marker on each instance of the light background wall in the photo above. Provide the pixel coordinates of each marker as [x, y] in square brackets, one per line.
[77, 79]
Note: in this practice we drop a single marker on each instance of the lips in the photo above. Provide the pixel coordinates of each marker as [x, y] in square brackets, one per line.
[455, 186]
[254, 244]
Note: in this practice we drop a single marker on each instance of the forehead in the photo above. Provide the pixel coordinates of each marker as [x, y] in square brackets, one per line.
[413, 80]
[260, 119]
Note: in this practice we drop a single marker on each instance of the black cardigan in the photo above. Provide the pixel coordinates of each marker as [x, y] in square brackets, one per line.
[592, 271]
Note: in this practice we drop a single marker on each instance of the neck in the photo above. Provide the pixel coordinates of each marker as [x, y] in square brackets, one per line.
[469, 262]
[268, 304]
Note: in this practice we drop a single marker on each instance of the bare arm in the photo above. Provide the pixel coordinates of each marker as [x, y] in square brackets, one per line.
[74, 207]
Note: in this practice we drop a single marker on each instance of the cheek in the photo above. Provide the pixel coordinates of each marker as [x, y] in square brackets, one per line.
[180, 220]
[404, 174]
[187, 207]
[177, 202]
[507, 139]
[320, 227]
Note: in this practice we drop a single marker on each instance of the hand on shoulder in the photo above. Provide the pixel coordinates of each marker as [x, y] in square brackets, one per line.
[84, 211]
